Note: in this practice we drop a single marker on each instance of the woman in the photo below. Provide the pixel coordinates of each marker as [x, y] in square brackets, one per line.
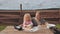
[38, 20]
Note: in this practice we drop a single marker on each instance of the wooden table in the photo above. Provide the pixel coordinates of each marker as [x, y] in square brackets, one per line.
[11, 30]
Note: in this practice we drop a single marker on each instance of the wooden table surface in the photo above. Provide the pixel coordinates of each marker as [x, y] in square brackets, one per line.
[11, 30]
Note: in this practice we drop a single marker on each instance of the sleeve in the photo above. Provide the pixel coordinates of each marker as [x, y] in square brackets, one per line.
[43, 21]
[34, 22]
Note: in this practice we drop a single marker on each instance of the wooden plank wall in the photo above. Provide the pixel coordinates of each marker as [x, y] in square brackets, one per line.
[11, 17]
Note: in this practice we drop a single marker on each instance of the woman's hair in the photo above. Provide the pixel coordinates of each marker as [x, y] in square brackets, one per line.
[27, 14]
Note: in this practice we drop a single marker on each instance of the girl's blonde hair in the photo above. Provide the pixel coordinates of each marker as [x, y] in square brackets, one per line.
[27, 14]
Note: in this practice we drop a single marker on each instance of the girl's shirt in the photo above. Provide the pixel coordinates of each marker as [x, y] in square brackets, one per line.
[27, 25]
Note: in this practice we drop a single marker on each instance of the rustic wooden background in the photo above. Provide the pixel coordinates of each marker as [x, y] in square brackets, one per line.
[12, 17]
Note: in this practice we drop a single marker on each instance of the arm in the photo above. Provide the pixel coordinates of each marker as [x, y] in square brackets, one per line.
[43, 21]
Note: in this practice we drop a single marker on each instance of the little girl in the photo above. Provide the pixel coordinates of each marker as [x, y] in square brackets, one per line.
[27, 23]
